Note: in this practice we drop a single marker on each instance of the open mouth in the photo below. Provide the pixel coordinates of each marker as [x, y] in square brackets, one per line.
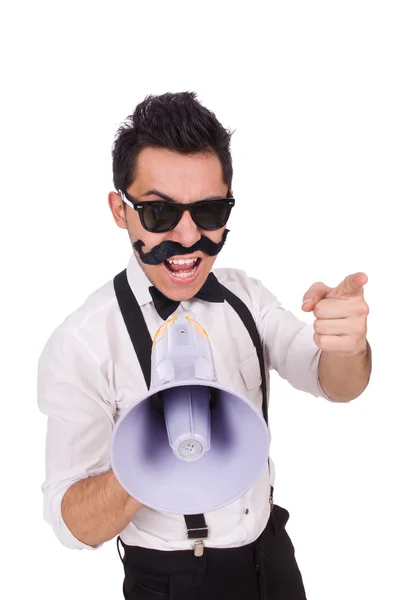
[182, 268]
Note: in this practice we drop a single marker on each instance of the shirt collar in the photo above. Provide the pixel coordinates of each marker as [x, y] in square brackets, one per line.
[138, 281]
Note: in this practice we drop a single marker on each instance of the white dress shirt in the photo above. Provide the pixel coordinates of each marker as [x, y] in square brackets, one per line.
[89, 373]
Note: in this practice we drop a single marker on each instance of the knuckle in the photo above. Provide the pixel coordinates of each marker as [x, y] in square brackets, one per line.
[363, 328]
[365, 309]
[362, 308]
[317, 310]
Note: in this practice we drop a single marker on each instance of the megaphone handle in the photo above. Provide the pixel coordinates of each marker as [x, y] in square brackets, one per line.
[187, 418]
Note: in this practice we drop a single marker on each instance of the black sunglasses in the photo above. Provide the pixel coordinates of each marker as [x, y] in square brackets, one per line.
[158, 216]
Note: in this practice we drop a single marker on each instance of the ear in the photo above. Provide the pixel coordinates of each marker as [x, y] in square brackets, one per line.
[117, 209]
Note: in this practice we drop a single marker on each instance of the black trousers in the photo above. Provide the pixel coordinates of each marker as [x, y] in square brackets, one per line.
[263, 570]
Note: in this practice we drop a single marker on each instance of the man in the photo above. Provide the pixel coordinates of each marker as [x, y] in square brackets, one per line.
[173, 194]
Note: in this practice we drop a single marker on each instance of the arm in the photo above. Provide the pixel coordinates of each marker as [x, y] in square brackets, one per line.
[97, 508]
[329, 359]
[288, 343]
[344, 378]
[83, 502]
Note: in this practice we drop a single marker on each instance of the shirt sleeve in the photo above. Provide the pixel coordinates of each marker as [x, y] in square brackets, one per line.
[288, 343]
[74, 395]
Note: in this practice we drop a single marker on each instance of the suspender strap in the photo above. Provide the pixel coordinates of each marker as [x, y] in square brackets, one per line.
[246, 316]
[135, 323]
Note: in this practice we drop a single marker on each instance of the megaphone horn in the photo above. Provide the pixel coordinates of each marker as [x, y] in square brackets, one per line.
[189, 445]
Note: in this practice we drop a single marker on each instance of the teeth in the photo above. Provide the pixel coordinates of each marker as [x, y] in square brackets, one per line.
[182, 261]
[185, 273]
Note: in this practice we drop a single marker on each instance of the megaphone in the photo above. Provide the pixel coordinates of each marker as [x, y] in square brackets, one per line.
[189, 445]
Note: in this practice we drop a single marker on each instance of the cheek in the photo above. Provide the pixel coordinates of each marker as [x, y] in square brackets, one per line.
[137, 232]
[151, 239]
[214, 236]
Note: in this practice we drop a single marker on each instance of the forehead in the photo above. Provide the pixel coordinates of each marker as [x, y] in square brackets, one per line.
[183, 177]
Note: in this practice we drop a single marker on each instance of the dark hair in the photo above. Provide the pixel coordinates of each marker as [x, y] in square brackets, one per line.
[176, 122]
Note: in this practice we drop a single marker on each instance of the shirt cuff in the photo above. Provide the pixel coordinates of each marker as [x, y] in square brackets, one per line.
[302, 363]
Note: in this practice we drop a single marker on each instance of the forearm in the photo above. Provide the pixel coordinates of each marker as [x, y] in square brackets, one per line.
[96, 509]
[344, 378]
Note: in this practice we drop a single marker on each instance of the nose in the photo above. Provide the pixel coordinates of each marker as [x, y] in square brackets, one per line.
[186, 232]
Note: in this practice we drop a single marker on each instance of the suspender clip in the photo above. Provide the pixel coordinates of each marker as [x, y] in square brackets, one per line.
[198, 548]
[198, 534]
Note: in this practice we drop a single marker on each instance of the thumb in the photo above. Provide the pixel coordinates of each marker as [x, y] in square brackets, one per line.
[314, 294]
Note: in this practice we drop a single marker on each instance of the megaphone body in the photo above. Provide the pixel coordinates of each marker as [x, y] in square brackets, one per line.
[189, 445]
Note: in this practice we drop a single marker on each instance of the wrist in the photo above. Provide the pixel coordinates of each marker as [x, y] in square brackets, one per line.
[362, 351]
[128, 503]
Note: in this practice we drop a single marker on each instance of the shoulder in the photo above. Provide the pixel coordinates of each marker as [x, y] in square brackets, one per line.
[93, 310]
[249, 289]
[87, 325]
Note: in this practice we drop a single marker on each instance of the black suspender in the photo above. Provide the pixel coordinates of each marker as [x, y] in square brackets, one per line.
[135, 323]
[142, 342]
[246, 316]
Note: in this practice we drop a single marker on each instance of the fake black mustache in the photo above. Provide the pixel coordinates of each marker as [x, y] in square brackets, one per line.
[165, 250]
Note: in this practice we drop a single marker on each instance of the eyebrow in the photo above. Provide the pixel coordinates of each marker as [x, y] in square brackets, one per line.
[159, 194]
[169, 199]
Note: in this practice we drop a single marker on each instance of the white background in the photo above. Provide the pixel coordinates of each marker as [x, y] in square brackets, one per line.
[310, 88]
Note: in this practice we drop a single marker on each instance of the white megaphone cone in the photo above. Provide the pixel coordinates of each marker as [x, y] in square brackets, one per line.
[189, 445]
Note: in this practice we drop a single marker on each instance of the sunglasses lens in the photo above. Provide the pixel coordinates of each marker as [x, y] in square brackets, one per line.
[212, 214]
[159, 216]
